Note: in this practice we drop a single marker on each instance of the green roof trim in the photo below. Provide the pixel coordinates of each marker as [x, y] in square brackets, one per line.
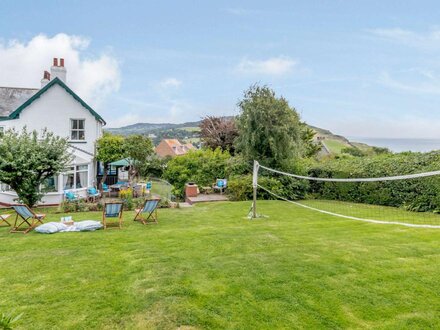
[16, 113]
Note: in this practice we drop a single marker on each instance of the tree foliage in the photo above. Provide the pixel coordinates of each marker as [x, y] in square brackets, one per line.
[219, 132]
[109, 148]
[200, 166]
[137, 148]
[27, 160]
[269, 129]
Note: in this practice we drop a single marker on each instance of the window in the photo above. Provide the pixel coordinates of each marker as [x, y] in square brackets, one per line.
[76, 177]
[50, 184]
[77, 129]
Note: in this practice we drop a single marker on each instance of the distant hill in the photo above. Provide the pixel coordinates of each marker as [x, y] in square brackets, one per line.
[189, 132]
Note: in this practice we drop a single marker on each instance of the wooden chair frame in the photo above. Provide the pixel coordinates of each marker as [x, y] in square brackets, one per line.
[152, 215]
[20, 220]
[104, 217]
[3, 218]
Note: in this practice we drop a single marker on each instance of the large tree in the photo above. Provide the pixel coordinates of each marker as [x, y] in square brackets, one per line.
[109, 148]
[219, 132]
[137, 149]
[27, 160]
[269, 129]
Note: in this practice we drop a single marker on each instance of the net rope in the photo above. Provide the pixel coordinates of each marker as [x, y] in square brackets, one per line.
[376, 221]
[348, 216]
[385, 178]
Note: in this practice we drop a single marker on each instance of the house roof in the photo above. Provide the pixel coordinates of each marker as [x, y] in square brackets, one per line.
[176, 147]
[32, 97]
[12, 97]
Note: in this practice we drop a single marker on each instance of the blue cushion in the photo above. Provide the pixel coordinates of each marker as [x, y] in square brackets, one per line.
[50, 228]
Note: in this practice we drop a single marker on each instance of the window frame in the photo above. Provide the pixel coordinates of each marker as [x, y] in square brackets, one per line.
[77, 130]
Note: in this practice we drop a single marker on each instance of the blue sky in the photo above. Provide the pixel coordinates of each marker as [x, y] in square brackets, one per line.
[358, 68]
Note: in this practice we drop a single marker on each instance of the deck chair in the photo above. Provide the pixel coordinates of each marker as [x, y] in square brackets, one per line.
[148, 212]
[25, 216]
[112, 210]
[3, 221]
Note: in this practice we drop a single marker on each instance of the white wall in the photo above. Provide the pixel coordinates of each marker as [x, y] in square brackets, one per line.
[53, 110]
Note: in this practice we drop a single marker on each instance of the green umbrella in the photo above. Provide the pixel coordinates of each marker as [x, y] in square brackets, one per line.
[122, 162]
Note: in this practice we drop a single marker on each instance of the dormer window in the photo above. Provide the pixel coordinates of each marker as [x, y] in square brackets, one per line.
[77, 129]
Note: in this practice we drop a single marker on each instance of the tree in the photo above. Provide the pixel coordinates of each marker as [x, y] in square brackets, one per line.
[109, 148]
[137, 149]
[27, 160]
[219, 132]
[310, 147]
[269, 129]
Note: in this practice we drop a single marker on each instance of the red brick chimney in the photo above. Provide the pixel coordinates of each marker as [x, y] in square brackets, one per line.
[58, 71]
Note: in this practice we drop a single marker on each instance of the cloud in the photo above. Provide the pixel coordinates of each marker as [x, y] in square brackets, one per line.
[385, 126]
[272, 66]
[427, 40]
[170, 82]
[414, 81]
[92, 78]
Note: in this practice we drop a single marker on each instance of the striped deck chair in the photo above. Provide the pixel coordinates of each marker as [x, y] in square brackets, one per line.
[25, 216]
[150, 209]
[112, 210]
[3, 220]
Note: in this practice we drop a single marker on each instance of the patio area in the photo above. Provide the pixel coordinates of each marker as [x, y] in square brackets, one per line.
[206, 198]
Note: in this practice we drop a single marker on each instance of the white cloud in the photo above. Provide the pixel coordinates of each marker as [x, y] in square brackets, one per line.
[92, 78]
[170, 82]
[272, 66]
[430, 39]
[386, 126]
[419, 82]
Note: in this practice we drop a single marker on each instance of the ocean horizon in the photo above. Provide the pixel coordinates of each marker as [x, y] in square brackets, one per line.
[400, 144]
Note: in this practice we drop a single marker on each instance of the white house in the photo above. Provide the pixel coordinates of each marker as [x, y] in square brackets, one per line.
[58, 109]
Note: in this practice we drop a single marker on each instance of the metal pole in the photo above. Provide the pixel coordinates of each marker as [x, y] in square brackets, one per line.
[254, 186]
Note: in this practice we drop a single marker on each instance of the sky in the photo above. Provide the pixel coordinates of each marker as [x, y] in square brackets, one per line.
[357, 68]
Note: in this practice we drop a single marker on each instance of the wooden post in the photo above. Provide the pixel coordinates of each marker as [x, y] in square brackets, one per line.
[254, 186]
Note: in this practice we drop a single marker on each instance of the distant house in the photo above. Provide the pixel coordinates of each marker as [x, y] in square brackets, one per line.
[58, 109]
[172, 147]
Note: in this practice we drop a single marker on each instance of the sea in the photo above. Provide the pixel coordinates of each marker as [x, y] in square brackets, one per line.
[399, 145]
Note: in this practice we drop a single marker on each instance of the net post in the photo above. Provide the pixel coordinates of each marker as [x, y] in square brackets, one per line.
[254, 186]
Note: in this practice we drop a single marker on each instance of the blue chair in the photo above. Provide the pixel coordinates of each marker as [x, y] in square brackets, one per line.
[220, 185]
[112, 210]
[27, 217]
[149, 209]
[93, 194]
[70, 196]
[105, 189]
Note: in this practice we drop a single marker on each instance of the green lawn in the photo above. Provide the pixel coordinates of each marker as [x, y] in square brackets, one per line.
[335, 146]
[210, 267]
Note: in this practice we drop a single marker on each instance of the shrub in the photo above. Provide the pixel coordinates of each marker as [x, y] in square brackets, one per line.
[200, 166]
[421, 194]
[240, 188]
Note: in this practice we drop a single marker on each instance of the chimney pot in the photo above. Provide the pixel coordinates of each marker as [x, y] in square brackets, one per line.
[62, 62]
[55, 61]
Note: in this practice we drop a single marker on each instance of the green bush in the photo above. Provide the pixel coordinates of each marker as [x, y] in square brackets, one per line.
[421, 194]
[240, 188]
[200, 166]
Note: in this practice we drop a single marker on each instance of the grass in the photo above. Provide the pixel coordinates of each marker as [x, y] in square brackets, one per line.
[210, 267]
[375, 212]
[335, 146]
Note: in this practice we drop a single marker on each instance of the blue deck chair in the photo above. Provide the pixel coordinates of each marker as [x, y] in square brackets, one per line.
[149, 210]
[93, 194]
[112, 210]
[25, 216]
